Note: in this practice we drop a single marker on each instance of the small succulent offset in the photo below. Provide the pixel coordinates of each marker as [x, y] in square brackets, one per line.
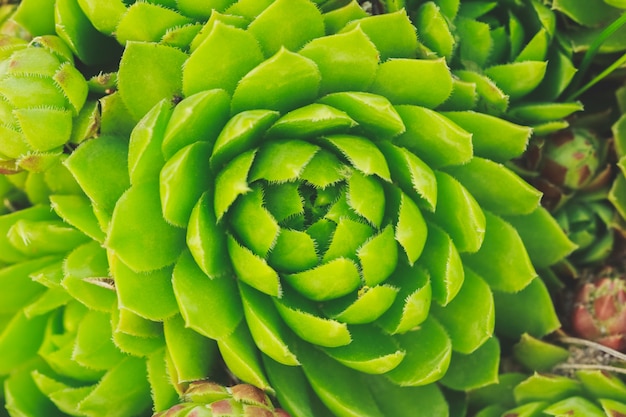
[566, 382]
[41, 95]
[572, 168]
[204, 398]
[599, 312]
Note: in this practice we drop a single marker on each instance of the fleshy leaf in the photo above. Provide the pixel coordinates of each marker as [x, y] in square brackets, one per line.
[242, 132]
[340, 388]
[434, 138]
[374, 113]
[266, 326]
[44, 129]
[231, 182]
[149, 73]
[468, 321]
[366, 197]
[368, 305]
[336, 57]
[574, 406]
[206, 238]
[209, 306]
[192, 355]
[403, 81]
[368, 357]
[491, 99]
[147, 22]
[363, 154]
[517, 79]
[538, 355]
[323, 170]
[145, 158]
[149, 295]
[287, 80]
[546, 387]
[378, 257]
[222, 51]
[395, 401]
[543, 112]
[20, 289]
[242, 358]
[428, 352]
[488, 133]
[309, 121]
[294, 251]
[402, 43]
[415, 177]
[304, 319]
[514, 318]
[510, 270]
[199, 117]
[433, 29]
[510, 195]
[77, 211]
[293, 389]
[86, 277]
[20, 340]
[459, 214]
[299, 21]
[94, 346]
[253, 270]
[183, 179]
[441, 258]
[254, 225]
[139, 235]
[127, 383]
[331, 280]
[478, 369]
[543, 237]
[412, 304]
[279, 161]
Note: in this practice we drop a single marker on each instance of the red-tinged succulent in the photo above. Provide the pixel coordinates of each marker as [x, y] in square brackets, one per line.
[600, 310]
[208, 399]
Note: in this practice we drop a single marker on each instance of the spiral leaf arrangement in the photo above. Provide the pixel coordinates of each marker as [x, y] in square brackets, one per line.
[292, 210]
[41, 94]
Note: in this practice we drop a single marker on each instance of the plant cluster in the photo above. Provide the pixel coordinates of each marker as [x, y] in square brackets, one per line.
[308, 208]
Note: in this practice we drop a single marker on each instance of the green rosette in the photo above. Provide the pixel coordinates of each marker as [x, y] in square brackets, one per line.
[509, 58]
[296, 210]
[42, 94]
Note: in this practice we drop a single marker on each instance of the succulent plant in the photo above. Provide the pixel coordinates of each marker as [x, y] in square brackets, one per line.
[205, 398]
[41, 95]
[579, 383]
[293, 210]
[508, 58]
[598, 311]
[573, 169]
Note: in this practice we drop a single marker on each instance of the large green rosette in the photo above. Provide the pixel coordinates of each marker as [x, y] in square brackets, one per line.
[302, 209]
